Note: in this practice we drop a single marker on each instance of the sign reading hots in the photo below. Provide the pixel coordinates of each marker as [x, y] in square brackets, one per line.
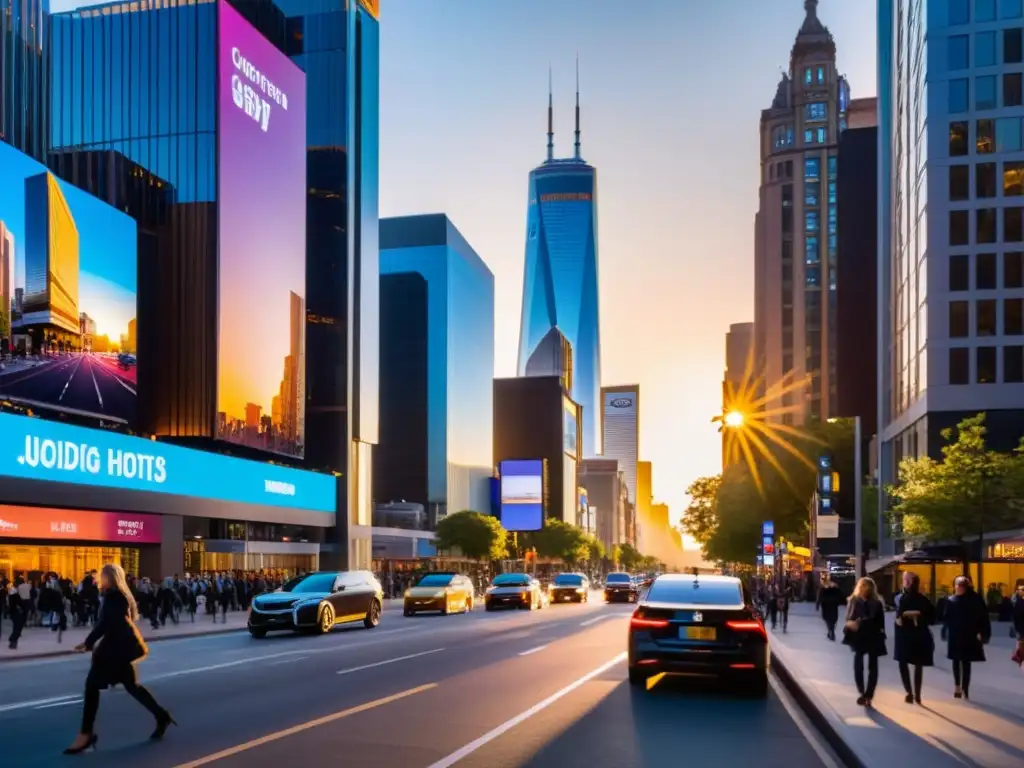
[76, 525]
[34, 449]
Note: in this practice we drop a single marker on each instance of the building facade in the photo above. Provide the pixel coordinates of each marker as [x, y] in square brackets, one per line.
[620, 431]
[425, 262]
[644, 500]
[25, 74]
[738, 382]
[796, 244]
[607, 498]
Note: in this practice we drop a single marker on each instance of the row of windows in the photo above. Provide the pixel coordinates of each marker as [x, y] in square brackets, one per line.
[814, 75]
[986, 92]
[986, 49]
[986, 180]
[815, 111]
[782, 136]
[1000, 135]
[781, 170]
[817, 135]
[985, 225]
[985, 365]
[984, 10]
[986, 316]
[985, 271]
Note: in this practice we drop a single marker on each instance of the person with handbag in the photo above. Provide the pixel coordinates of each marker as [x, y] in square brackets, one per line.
[864, 632]
[914, 645]
[968, 630]
[116, 647]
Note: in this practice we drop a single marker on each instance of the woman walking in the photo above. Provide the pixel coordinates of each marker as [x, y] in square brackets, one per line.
[113, 660]
[914, 644]
[968, 630]
[830, 597]
[864, 632]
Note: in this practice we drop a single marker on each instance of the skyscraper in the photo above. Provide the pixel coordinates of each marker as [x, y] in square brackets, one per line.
[560, 283]
[620, 431]
[6, 279]
[24, 64]
[795, 241]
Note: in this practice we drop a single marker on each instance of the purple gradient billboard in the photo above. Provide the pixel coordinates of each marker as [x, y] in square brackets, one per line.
[261, 180]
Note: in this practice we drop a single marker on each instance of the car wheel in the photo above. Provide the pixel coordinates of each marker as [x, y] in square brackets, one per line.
[637, 677]
[326, 619]
[372, 618]
[259, 634]
[488, 608]
[407, 612]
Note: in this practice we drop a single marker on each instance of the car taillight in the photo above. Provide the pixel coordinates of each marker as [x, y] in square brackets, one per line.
[638, 621]
[747, 626]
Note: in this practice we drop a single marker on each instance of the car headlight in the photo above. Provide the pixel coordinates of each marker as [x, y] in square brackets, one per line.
[580, 590]
[526, 595]
[408, 593]
[440, 593]
[489, 590]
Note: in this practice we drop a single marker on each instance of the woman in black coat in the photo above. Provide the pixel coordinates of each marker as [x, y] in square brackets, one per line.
[830, 597]
[864, 632]
[914, 644]
[113, 660]
[968, 630]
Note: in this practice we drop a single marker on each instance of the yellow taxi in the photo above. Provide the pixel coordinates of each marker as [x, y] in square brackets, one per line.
[443, 592]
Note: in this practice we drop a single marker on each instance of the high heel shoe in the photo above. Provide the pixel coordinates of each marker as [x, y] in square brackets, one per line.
[90, 744]
[162, 724]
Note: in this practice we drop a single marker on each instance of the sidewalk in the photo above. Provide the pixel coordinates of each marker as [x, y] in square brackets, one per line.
[986, 731]
[38, 642]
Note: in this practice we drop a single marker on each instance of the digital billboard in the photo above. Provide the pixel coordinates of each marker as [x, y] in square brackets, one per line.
[522, 494]
[78, 525]
[261, 193]
[67, 297]
[570, 428]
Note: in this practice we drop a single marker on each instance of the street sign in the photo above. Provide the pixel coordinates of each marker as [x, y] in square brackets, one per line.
[828, 526]
[768, 528]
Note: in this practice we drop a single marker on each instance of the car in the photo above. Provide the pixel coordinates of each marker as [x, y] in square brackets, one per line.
[620, 586]
[317, 602]
[569, 588]
[514, 590]
[445, 592]
[698, 626]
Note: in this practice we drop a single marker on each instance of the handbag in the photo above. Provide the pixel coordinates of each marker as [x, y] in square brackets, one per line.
[852, 625]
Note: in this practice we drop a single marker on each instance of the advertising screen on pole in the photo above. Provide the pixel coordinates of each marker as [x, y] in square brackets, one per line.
[522, 494]
[67, 298]
[261, 193]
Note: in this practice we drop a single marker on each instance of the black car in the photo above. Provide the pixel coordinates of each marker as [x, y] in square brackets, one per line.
[698, 625]
[317, 602]
[513, 590]
[620, 587]
[569, 588]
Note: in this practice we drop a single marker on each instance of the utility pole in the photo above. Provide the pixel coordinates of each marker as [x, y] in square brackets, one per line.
[858, 505]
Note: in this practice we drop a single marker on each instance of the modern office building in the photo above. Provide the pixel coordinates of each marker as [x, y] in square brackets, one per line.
[644, 500]
[6, 284]
[739, 383]
[620, 431]
[25, 76]
[796, 246]
[607, 497]
[437, 350]
[951, 334]
[560, 283]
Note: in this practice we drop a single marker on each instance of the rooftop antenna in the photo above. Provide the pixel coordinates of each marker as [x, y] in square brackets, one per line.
[551, 121]
[577, 145]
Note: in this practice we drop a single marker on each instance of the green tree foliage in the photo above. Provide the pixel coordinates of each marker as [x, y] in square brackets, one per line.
[595, 549]
[629, 558]
[5, 322]
[475, 535]
[701, 518]
[561, 541]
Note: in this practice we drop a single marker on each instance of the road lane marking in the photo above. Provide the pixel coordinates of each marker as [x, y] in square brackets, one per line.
[272, 737]
[388, 661]
[95, 385]
[68, 382]
[223, 665]
[59, 704]
[596, 619]
[533, 650]
[104, 368]
[508, 725]
[813, 737]
[287, 661]
[37, 702]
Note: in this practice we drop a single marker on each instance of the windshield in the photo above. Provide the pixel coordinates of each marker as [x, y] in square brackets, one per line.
[696, 593]
[512, 580]
[619, 578]
[569, 579]
[314, 582]
[435, 580]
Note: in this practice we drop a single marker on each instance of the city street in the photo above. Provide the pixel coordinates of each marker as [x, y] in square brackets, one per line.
[546, 688]
[88, 385]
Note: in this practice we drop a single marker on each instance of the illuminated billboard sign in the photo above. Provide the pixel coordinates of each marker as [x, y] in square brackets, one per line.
[67, 297]
[36, 449]
[78, 525]
[570, 428]
[261, 177]
[522, 494]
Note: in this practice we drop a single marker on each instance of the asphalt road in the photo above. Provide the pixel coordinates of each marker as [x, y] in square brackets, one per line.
[540, 689]
[82, 384]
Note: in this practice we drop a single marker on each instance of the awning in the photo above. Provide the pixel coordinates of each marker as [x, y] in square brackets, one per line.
[876, 564]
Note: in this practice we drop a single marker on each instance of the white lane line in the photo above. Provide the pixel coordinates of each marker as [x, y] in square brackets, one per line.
[388, 661]
[287, 661]
[37, 702]
[104, 369]
[68, 382]
[596, 619]
[533, 650]
[95, 385]
[59, 704]
[224, 665]
[508, 725]
[812, 736]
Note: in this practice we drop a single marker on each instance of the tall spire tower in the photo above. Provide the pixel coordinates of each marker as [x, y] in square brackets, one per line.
[576, 154]
[551, 121]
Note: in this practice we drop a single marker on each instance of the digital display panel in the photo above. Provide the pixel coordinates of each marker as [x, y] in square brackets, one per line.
[570, 429]
[522, 494]
[68, 282]
[78, 525]
[261, 179]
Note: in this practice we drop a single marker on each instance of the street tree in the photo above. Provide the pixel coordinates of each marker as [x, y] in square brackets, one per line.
[561, 541]
[700, 520]
[475, 535]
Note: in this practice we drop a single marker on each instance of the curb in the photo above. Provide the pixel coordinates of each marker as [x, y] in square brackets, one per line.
[149, 640]
[813, 706]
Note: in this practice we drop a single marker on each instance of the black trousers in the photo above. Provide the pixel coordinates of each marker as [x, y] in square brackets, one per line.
[962, 675]
[867, 691]
[136, 691]
[918, 679]
[830, 626]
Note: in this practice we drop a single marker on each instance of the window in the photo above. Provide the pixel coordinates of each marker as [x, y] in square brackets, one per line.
[817, 110]
[985, 49]
[959, 12]
[1013, 225]
[821, 75]
[811, 191]
[1013, 49]
[782, 136]
[831, 193]
[808, 136]
[813, 276]
[1008, 134]
[959, 366]
[985, 317]
[986, 362]
[1013, 365]
[789, 166]
[959, 182]
[1013, 269]
[833, 166]
[960, 273]
[1012, 172]
[958, 138]
[985, 180]
[812, 168]
[985, 223]
[985, 272]
[959, 228]
[808, 79]
[959, 319]
[983, 137]
[1012, 89]
[686, 589]
[985, 92]
[984, 10]
[1013, 317]
[811, 250]
[958, 95]
[957, 53]
[1011, 9]
[811, 221]
[823, 135]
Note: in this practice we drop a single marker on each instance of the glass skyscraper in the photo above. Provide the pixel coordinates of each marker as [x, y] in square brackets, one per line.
[24, 97]
[560, 282]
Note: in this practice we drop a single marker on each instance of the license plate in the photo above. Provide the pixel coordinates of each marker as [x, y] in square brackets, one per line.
[697, 633]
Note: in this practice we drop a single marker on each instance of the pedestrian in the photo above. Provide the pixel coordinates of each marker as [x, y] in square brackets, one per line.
[784, 597]
[968, 630]
[914, 645]
[830, 597]
[1018, 623]
[864, 632]
[19, 601]
[117, 646]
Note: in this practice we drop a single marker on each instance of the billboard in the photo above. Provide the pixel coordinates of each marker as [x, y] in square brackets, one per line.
[522, 494]
[67, 298]
[261, 193]
[570, 428]
[78, 525]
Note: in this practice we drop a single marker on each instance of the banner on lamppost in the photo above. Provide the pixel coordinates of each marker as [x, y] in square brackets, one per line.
[828, 526]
